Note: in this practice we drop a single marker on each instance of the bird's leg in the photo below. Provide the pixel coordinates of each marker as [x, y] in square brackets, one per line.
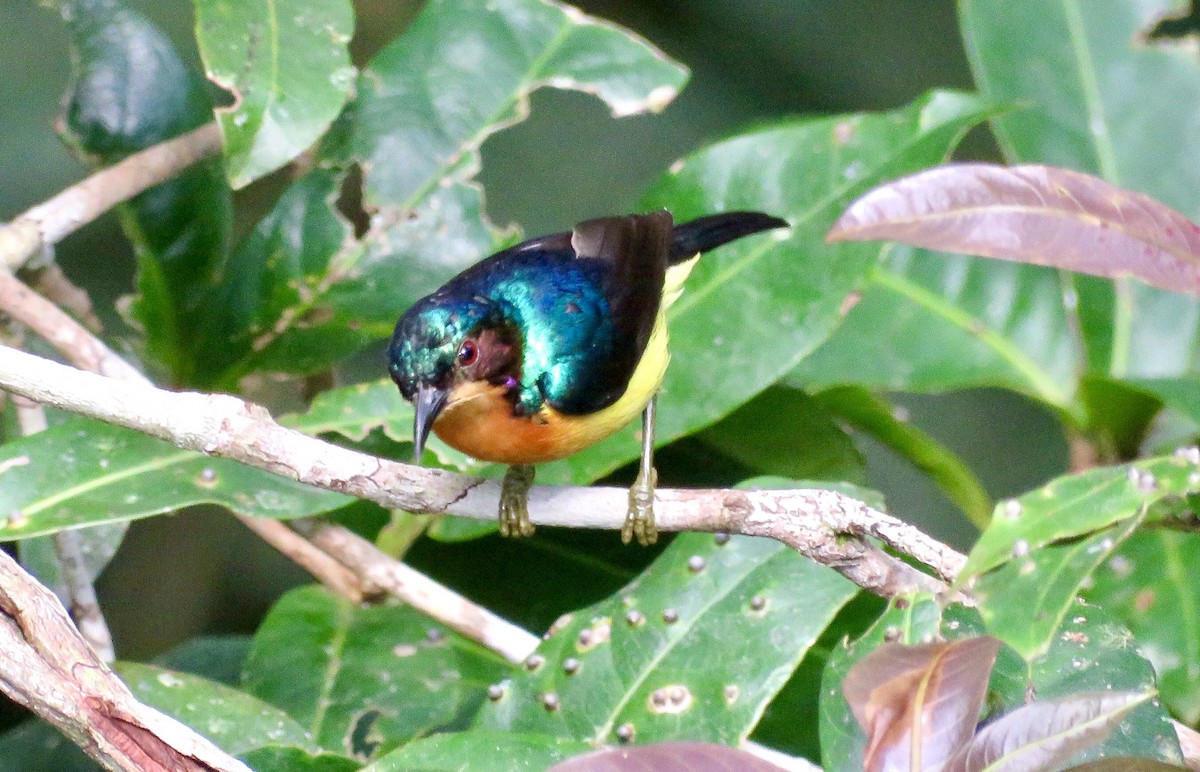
[514, 501]
[639, 522]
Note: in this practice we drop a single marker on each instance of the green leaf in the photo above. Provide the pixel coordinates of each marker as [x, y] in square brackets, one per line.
[479, 749]
[234, 720]
[872, 415]
[652, 659]
[132, 90]
[1150, 586]
[786, 433]
[753, 309]
[463, 71]
[283, 758]
[288, 68]
[358, 678]
[85, 472]
[97, 546]
[1181, 394]
[1078, 504]
[1079, 71]
[1023, 602]
[1119, 416]
[929, 322]
[215, 657]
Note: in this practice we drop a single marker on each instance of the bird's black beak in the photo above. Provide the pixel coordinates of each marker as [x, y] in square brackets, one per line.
[429, 403]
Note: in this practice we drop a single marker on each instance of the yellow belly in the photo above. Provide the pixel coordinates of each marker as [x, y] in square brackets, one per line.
[479, 421]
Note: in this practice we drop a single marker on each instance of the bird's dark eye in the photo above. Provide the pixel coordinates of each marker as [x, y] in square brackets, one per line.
[468, 352]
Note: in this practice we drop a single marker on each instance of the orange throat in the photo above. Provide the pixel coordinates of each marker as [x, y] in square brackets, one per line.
[478, 420]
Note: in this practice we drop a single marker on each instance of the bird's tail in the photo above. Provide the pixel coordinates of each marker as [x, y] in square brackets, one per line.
[702, 234]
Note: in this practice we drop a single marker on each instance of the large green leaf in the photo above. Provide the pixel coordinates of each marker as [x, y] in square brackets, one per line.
[234, 720]
[287, 758]
[288, 69]
[932, 322]
[132, 90]
[358, 678]
[1150, 584]
[753, 309]
[654, 663]
[84, 472]
[1079, 504]
[303, 292]
[1097, 97]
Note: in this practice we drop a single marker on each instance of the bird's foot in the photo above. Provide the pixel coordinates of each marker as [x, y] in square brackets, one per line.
[639, 522]
[514, 501]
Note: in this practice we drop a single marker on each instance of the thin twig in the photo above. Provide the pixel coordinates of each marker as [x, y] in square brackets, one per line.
[77, 589]
[814, 522]
[50, 282]
[50, 669]
[49, 222]
[421, 592]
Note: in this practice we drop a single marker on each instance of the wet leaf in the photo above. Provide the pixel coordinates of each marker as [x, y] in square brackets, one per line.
[85, 472]
[650, 664]
[363, 678]
[666, 757]
[1045, 735]
[133, 90]
[234, 720]
[478, 749]
[286, 64]
[919, 703]
[1036, 214]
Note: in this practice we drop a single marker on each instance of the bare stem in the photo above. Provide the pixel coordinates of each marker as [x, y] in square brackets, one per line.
[49, 222]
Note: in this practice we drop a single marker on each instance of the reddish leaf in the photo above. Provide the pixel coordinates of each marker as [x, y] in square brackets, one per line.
[1046, 735]
[1032, 214]
[919, 704]
[667, 757]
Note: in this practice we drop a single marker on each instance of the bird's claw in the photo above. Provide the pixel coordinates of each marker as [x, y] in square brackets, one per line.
[639, 522]
[514, 501]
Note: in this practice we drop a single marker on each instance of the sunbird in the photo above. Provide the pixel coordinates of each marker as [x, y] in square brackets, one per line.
[549, 346]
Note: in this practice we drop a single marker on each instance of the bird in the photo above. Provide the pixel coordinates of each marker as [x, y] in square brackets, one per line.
[550, 346]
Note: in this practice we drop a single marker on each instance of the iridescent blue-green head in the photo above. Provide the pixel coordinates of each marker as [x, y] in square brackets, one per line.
[443, 342]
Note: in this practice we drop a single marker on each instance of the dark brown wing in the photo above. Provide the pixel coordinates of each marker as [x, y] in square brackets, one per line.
[637, 246]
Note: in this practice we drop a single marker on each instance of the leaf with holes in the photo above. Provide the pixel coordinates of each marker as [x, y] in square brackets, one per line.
[478, 749]
[84, 472]
[1042, 215]
[287, 66]
[650, 663]
[1079, 504]
[1024, 601]
[363, 678]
